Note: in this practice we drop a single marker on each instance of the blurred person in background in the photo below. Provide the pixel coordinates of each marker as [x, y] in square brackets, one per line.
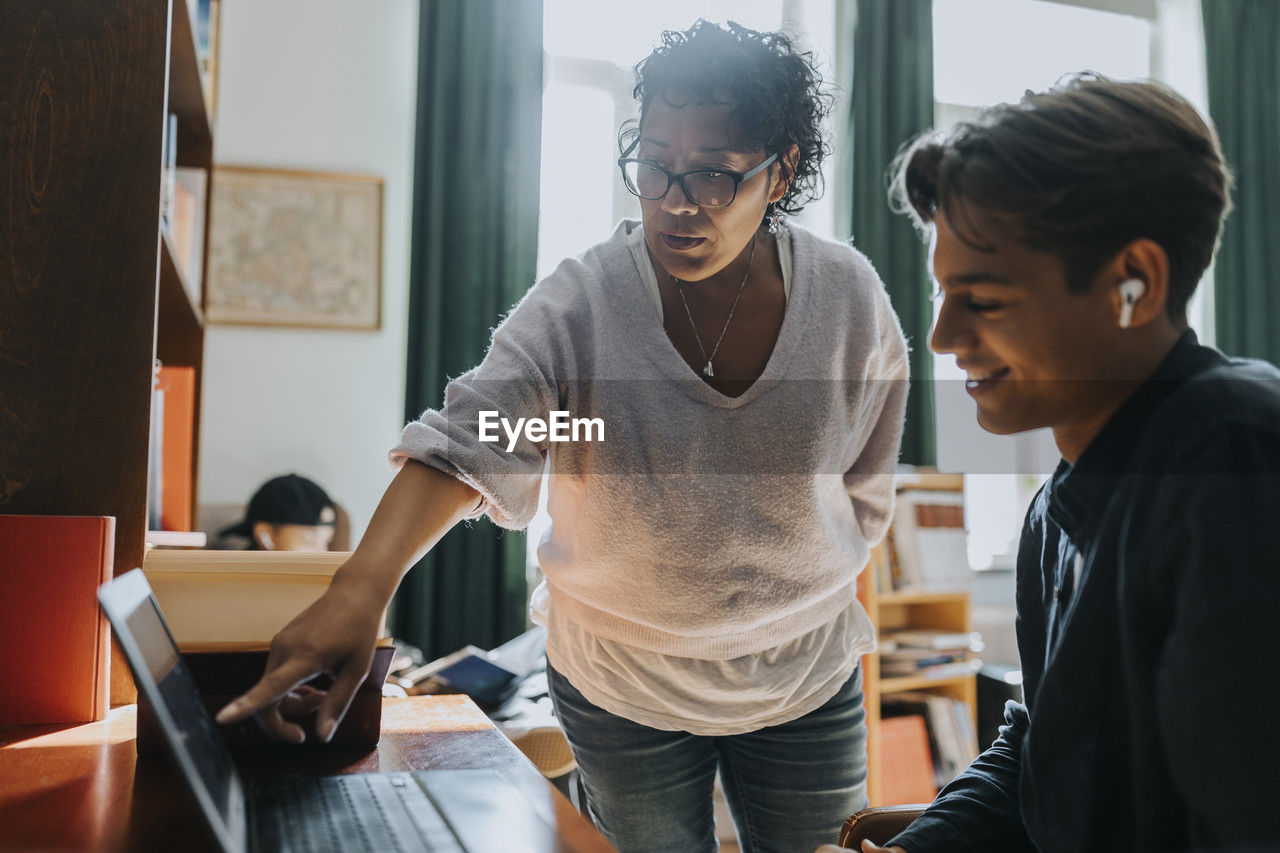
[289, 513]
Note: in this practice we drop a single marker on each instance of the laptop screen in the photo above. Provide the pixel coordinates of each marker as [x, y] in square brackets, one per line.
[188, 728]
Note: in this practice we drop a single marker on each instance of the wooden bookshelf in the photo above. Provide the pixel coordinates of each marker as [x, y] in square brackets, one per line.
[892, 611]
[92, 293]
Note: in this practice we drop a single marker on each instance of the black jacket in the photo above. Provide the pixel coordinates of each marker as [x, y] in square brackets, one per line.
[1152, 716]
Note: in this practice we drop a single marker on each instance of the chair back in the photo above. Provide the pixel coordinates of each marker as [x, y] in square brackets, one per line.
[878, 824]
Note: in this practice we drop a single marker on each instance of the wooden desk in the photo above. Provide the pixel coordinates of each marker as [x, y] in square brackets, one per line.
[83, 787]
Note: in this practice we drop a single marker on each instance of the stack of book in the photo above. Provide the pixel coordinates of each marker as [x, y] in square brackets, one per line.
[928, 653]
[927, 548]
[952, 739]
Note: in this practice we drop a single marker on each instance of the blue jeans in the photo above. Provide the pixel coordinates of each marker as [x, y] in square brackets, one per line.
[789, 786]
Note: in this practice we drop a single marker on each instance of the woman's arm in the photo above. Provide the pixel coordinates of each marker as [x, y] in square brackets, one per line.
[448, 474]
[337, 633]
[870, 480]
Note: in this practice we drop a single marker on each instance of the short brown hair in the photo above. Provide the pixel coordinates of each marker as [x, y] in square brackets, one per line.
[1081, 170]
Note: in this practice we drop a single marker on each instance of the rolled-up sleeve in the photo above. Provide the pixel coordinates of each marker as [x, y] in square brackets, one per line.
[979, 810]
[517, 379]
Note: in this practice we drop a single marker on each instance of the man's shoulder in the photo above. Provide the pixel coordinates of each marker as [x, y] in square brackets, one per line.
[1232, 407]
[1237, 391]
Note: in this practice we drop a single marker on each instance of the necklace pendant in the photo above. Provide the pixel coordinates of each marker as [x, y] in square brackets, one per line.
[707, 370]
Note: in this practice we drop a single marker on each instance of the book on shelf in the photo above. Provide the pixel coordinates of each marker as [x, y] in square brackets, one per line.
[155, 454]
[929, 540]
[923, 477]
[54, 643]
[204, 17]
[908, 774]
[939, 672]
[937, 640]
[176, 539]
[186, 228]
[926, 653]
[880, 567]
[953, 741]
[167, 167]
[905, 662]
[177, 441]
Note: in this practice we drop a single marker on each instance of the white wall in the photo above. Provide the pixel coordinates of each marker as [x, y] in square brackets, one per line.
[326, 85]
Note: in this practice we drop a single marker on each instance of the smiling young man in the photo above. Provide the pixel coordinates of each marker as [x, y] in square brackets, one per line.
[1068, 233]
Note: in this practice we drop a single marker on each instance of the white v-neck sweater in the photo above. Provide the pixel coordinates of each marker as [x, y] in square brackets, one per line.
[702, 526]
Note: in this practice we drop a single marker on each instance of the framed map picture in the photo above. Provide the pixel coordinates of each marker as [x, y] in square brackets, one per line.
[294, 249]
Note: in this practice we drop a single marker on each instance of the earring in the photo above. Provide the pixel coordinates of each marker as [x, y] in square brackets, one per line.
[773, 220]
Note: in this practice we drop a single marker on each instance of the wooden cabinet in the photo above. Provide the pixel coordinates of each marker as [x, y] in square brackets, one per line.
[892, 611]
[90, 293]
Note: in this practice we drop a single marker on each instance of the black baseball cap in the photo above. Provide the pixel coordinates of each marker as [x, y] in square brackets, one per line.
[290, 499]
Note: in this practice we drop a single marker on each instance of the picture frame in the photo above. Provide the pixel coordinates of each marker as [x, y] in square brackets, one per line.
[294, 248]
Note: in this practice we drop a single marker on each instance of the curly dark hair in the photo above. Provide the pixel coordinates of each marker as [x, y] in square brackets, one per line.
[778, 96]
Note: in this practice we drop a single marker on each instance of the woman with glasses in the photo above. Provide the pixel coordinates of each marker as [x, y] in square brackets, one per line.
[750, 380]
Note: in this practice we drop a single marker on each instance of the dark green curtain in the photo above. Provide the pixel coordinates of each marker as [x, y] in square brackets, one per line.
[1242, 57]
[891, 94]
[474, 253]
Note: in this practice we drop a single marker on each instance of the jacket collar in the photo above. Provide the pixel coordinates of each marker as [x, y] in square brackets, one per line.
[1079, 493]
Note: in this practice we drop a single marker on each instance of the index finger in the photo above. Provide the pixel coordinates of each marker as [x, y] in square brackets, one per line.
[270, 688]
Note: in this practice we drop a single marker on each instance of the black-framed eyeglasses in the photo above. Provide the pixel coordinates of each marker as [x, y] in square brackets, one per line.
[703, 187]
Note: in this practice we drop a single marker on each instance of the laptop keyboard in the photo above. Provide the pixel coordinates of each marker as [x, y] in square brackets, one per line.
[362, 811]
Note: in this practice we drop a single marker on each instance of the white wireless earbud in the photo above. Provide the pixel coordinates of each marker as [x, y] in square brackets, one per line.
[1131, 291]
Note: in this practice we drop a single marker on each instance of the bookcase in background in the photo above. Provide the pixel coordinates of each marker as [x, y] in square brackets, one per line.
[942, 610]
[90, 289]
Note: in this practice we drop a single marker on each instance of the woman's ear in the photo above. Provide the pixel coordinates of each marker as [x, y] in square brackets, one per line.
[787, 164]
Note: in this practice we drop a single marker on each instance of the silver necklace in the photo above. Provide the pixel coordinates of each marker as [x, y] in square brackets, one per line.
[707, 369]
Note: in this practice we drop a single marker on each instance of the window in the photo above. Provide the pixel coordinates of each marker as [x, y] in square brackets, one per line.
[990, 51]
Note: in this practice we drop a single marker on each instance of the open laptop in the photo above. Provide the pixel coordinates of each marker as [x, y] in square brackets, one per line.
[454, 810]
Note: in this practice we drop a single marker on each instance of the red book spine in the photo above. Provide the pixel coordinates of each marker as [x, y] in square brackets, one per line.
[54, 640]
[177, 448]
[907, 767]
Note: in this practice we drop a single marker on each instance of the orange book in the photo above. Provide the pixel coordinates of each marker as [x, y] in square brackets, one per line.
[907, 768]
[54, 650]
[179, 386]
